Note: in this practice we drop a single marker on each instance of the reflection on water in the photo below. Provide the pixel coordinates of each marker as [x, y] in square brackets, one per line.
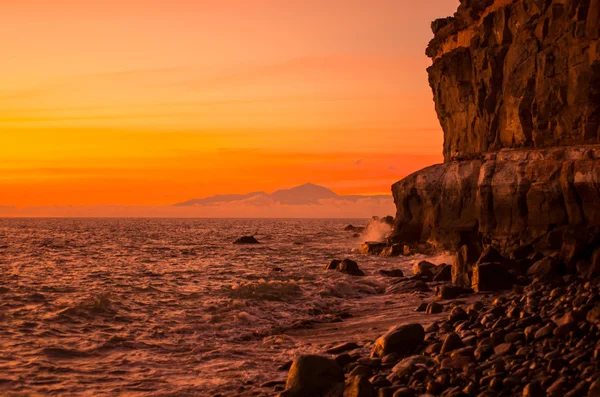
[167, 307]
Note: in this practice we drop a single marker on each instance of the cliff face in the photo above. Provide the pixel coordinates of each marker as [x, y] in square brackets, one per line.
[517, 74]
[516, 85]
[509, 198]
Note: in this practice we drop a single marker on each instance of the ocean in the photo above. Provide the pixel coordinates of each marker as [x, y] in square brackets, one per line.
[171, 307]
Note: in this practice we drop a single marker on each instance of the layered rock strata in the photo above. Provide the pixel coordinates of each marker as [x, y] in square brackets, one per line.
[516, 85]
[508, 199]
[517, 73]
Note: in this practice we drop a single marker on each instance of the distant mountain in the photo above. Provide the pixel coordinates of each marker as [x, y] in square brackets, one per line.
[309, 193]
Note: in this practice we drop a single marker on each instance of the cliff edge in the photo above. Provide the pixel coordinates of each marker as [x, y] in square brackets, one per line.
[516, 85]
[517, 74]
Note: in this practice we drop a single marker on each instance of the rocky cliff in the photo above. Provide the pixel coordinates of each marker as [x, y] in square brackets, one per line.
[516, 86]
[507, 199]
[517, 74]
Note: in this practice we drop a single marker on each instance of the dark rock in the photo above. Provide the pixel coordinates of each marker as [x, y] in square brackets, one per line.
[333, 265]
[451, 291]
[246, 240]
[408, 285]
[534, 389]
[276, 269]
[461, 268]
[313, 376]
[350, 267]
[444, 273]
[545, 269]
[451, 342]
[422, 307]
[404, 392]
[344, 347]
[491, 277]
[392, 273]
[399, 339]
[434, 308]
[458, 314]
[423, 267]
[358, 386]
[372, 248]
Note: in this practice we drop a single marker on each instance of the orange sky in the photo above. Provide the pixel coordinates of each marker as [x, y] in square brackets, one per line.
[154, 102]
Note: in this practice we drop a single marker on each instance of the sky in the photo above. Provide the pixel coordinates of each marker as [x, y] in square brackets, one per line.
[149, 103]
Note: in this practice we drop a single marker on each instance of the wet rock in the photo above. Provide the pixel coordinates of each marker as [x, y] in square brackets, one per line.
[458, 314]
[358, 386]
[372, 248]
[434, 308]
[449, 291]
[401, 339]
[408, 366]
[461, 268]
[593, 316]
[312, 375]
[343, 347]
[423, 267]
[503, 349]
[333, 265]
[451, 342]
[361, 370]
[350, 267]
[534, 389]
[392, 273]
[444, 273]
[351, 228]
[404, 392]
[408, 285]
[246, 240]
[545, 269]
[491, 277]
[393, 250]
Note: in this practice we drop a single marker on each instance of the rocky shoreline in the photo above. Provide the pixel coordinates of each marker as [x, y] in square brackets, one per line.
[516, 90]
[540, 339]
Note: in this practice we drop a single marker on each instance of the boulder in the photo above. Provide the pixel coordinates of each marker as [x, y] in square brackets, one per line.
[359, 386]
[372, 248]
[392, 273]
[348, 266]
[423, 266]
[444, 273]
[312, 375]
[401, 339]
[491, 277]
[246, 240]
[449, 291]
[546, 269]
[333, 265]
[461, 268]
[408, 285]
[393, 250]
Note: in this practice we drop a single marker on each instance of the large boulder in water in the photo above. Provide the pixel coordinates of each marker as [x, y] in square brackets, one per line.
[401, 339]
[246, 240]
[314, 376]
[372, 248]
[350, 267]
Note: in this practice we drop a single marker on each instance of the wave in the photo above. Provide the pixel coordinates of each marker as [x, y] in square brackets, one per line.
[281, 291]
[99, 305]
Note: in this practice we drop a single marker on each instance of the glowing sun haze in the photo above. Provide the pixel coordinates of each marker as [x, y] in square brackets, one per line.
[155, 102]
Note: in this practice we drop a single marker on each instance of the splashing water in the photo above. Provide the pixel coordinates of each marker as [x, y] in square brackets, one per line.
[376, 231]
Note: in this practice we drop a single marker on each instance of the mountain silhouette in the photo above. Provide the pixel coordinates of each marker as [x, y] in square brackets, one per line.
[309, 193]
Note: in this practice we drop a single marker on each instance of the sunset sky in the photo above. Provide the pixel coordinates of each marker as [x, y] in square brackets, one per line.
[153, 102]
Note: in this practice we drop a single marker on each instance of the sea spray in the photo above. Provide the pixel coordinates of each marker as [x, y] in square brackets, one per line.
[377, 231]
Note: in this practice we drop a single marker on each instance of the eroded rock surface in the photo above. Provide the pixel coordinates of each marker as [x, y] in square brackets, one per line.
[506, 198]
[517, 73]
